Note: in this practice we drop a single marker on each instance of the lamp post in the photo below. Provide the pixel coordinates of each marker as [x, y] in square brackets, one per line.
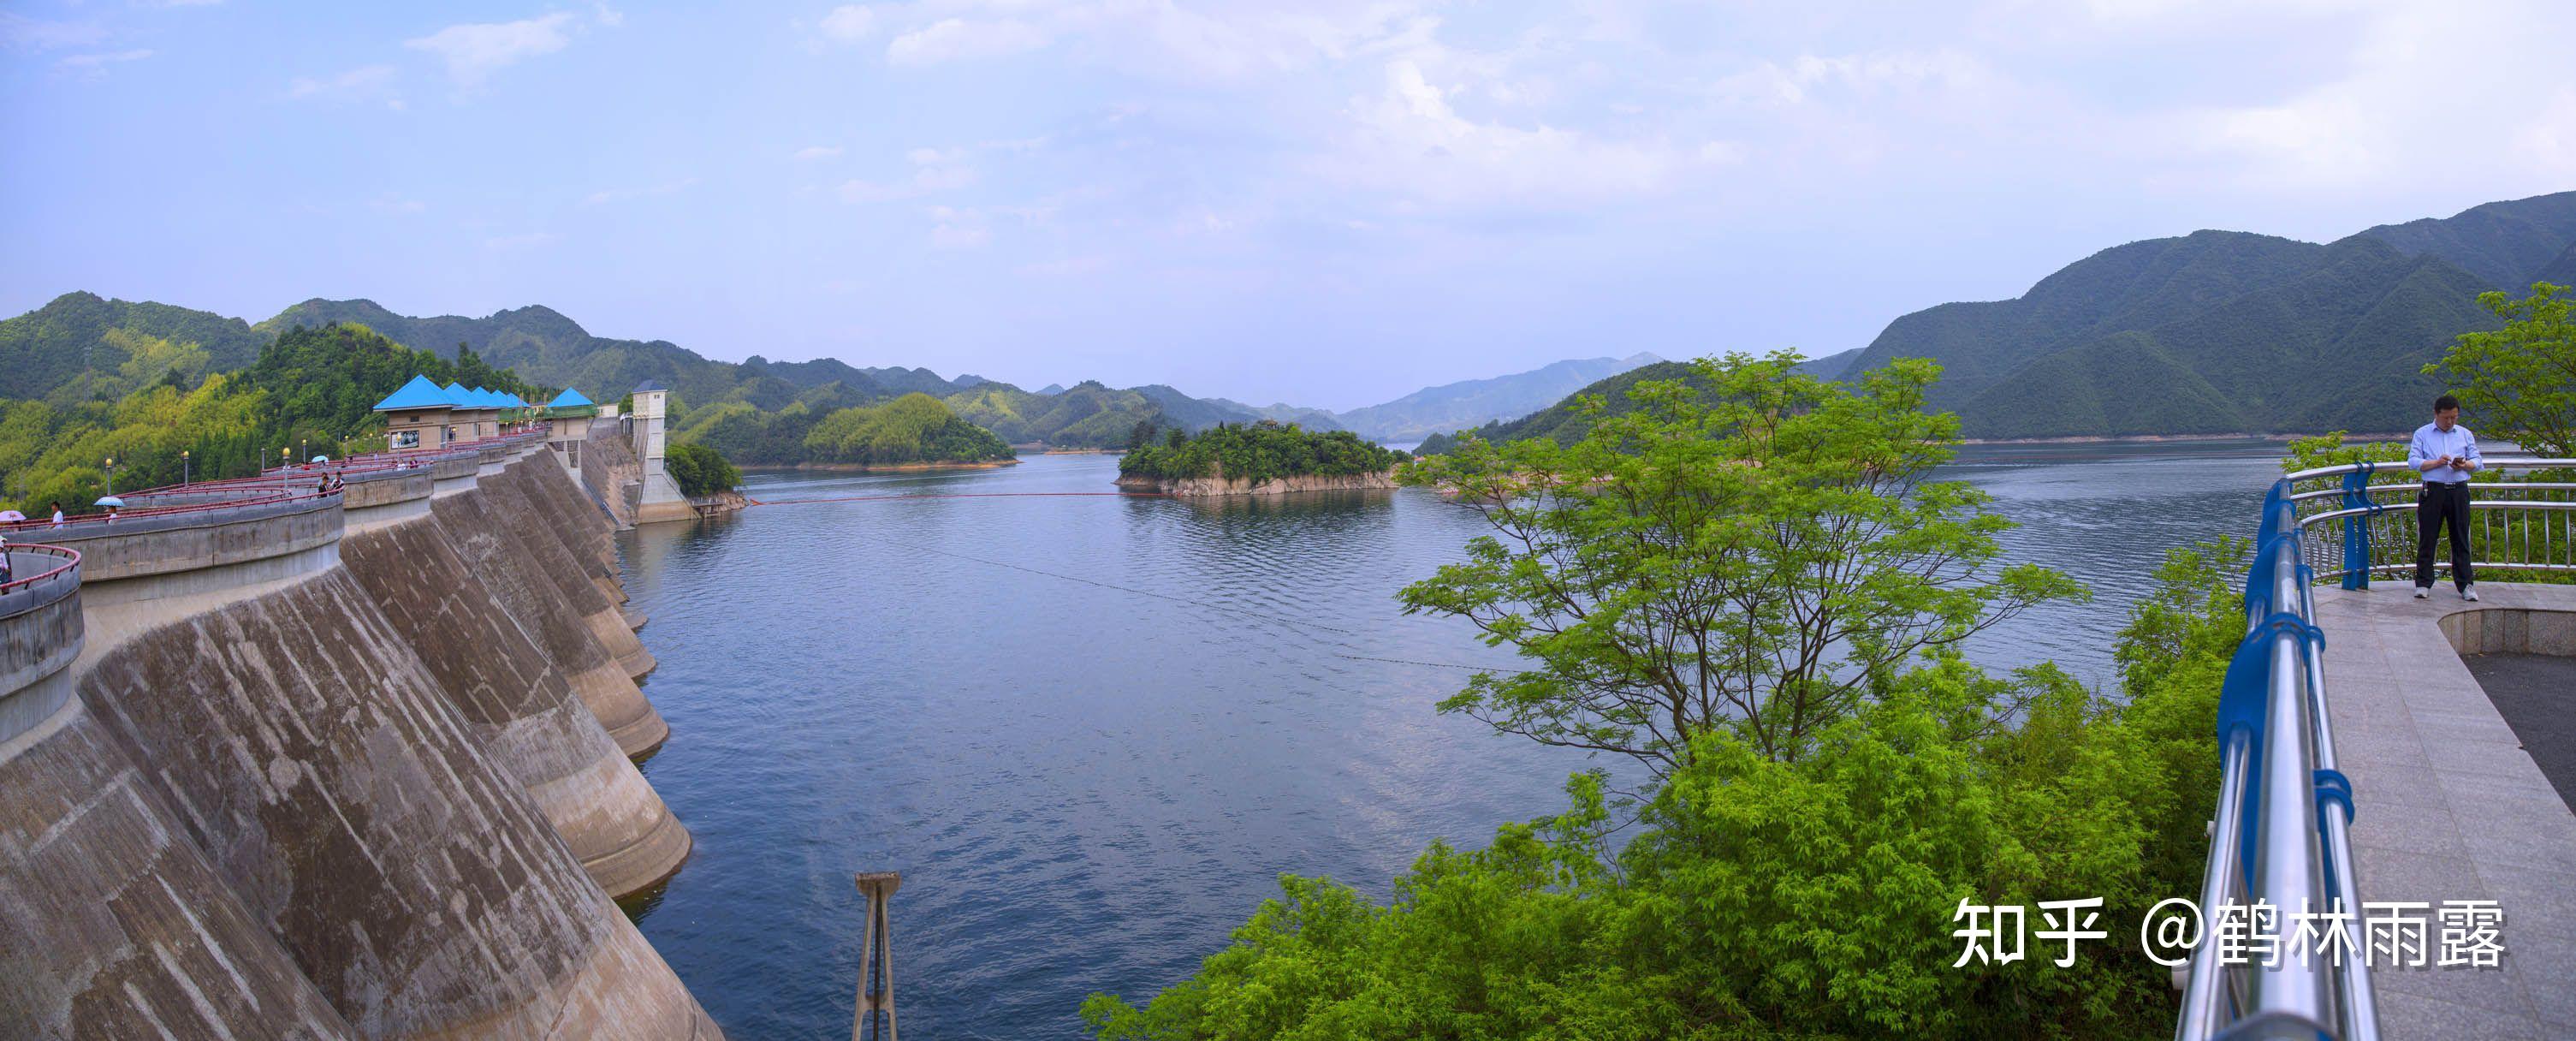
[111, 475]
[183, 466]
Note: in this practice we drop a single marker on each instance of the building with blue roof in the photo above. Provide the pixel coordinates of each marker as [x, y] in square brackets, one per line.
[419, 415]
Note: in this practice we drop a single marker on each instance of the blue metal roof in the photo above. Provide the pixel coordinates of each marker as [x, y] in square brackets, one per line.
[570, 398]
[419, 393]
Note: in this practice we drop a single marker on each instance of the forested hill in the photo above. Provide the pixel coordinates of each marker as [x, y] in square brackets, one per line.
[54, 348]
[2221, 332]
[2214, 332]
[543, 344]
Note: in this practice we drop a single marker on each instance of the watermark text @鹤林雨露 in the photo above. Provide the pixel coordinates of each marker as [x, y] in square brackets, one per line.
[2399, 933]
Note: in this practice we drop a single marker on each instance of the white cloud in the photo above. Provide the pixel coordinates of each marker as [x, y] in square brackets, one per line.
[96, 64]
[531, 240]
[934, 170]
[364, 83]
[958, 229]
[813, 152]
[474, 51]
[649, 192]
[607, 17]
[28, 34]
[955, 39]
[2419, 90]
[1409, 141]
[849, 23]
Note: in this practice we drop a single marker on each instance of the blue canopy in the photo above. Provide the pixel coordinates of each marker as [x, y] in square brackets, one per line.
[570, 398]
[419, 393]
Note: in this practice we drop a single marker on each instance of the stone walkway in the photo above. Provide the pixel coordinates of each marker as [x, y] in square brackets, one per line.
[2450, 806]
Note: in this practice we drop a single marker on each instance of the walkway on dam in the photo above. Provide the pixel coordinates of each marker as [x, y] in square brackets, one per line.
[2451, 806]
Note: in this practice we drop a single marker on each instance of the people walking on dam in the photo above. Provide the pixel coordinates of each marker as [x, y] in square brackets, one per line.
[58, 513]
[4, 560]
[2446, 453]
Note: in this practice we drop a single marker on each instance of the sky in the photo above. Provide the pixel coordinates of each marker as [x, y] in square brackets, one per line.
[1324, 202]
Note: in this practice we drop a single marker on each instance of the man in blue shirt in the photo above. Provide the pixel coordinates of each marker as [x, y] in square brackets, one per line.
[2446, 453]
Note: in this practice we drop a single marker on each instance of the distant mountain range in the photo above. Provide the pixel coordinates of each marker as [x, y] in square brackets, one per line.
[2209, 333]
[2212, 332]
[1470, 403]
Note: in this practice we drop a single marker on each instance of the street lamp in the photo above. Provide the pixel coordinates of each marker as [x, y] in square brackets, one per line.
[183, 466]
[111, 475]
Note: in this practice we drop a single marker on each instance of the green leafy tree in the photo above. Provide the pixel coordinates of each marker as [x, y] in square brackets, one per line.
[1257, 452]
[2521, 379]
[700, 471]
[1752, 551]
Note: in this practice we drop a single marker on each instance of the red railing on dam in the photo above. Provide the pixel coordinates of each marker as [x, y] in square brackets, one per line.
[24, 592]
[274, 489]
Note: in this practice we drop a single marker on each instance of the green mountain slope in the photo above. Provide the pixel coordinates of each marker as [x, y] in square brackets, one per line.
[1564, 420]
[542, 344]
[2507, 244]
[1469, 403]
[2208, 333]
[2341, 347]
[2137, 285]
[44, 350]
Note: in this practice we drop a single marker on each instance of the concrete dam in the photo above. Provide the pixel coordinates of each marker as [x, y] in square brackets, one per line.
[284, 762]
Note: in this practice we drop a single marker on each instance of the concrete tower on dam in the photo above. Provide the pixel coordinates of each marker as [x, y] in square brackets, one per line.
[287, 758]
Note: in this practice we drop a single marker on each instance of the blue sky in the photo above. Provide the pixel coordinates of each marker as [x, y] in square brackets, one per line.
[1325, 202]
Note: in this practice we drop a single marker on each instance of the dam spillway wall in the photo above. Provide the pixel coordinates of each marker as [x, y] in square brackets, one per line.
[520, 709]
[488, 543]
[296, 783]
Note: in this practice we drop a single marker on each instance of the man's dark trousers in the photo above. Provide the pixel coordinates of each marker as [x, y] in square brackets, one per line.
[2439, 505]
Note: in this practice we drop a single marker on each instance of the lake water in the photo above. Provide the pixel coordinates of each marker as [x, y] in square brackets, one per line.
[1092, 730]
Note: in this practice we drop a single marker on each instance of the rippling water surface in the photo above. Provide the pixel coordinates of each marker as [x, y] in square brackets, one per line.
[1090, 730]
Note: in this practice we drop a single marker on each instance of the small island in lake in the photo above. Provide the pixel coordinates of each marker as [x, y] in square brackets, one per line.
[1264, 458]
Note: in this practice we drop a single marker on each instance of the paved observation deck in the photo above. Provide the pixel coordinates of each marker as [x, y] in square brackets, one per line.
[2451, 805]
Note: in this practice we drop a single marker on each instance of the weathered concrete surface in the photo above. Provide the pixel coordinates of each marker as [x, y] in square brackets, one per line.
[39, 637]
[111, 924]
[307, 752]
[218, 540]
[519, 708]
[580, 527]
[511, 498]
[555, 501]
[488, 542]
[2449, 806]
[610, 471]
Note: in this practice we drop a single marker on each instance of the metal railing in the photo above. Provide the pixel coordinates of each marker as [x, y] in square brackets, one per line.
[2522, 517]
[2282, 832]
[26, 592]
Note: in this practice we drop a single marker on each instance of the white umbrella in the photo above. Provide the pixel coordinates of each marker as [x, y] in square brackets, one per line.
[11, 516]
[321, 458]
[109, 500]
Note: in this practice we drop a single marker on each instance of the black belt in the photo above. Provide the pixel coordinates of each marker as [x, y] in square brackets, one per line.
[2446, 484]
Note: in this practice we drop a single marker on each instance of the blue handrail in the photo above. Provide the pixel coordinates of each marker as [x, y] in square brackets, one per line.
[2281, 835]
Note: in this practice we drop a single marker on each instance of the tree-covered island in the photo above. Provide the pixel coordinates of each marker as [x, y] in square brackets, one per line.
[1263, 458]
